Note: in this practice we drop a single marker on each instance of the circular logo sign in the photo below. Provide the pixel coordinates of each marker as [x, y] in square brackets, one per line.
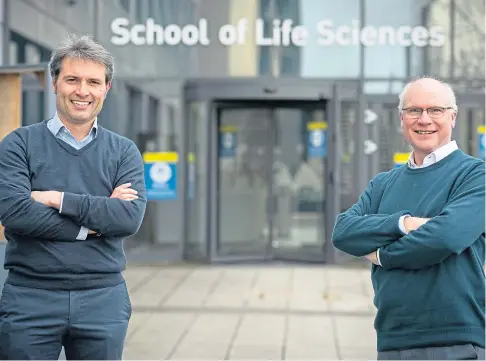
[160, 172]
[317, 138]
[227, 140]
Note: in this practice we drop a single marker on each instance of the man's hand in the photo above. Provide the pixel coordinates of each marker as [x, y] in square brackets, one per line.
[124, 192]
[49, 198]
[412, 223]
[372, 257]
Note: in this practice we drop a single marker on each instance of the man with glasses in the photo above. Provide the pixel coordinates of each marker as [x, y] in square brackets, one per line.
[422, 226]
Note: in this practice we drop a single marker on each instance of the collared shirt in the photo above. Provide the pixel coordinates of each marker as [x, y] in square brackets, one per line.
[434, 157]
[57, 128]
[60, 131]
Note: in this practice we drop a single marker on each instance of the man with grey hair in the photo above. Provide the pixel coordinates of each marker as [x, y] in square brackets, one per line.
[422, 226]
[70, 192]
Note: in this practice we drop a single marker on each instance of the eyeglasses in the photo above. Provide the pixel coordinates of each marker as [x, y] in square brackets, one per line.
[433, 112]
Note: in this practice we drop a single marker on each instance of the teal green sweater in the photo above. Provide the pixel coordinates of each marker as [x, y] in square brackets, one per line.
[430, 289]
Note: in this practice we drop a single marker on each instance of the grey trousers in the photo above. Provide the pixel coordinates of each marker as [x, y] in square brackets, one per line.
[36, 323]
[459, 352]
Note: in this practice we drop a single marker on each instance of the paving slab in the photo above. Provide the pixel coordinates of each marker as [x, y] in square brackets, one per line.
[231, 312]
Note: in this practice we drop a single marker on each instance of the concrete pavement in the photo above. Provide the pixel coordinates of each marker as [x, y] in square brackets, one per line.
[250, 312]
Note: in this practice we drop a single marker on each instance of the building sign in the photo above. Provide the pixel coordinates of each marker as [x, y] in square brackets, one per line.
[400, 159]
[481, 142]
[227, 141]
[161, 175]
[285, 32]
[316, 139]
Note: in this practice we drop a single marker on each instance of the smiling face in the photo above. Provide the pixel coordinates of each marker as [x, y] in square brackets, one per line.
[427, 132]
[80, 90]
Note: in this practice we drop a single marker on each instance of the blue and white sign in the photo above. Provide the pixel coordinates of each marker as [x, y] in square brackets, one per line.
[161, 175]
[227, 141]
[481, 142]
[317, 139]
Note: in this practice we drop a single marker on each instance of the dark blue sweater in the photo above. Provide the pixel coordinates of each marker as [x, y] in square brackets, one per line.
[42, 250]
[430, 290]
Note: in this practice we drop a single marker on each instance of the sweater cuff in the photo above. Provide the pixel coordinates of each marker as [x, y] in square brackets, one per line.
[401, 223]
[396, 220]
[399, 218]
[71, 204]
[60, 204]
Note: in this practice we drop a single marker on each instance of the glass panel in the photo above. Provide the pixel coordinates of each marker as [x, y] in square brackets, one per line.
[32, 54]
[13, 53]
[197, 172]
[125, 5]
[391, 140]
[300, 153]
[244, 174]
[32, 107]
[341, 60]
[471, 118]
[163, 218]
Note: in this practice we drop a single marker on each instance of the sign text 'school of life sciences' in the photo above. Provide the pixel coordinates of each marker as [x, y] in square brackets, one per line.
[283, 33]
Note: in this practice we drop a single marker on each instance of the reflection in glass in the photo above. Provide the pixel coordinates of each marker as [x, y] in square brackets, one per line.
[271, 183]
[243, 180]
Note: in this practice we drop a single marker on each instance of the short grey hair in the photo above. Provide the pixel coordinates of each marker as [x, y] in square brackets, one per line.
[448, 87]
[82, 47]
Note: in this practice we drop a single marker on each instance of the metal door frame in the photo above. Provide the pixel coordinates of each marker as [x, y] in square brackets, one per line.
[260, 91]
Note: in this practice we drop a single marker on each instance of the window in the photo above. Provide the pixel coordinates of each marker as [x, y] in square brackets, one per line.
[153, 111]
[32, 54]
[13, 53]
[139, 5]
[287, 65]
[171, 129]
[284, 8]
[264, 60]
[134, 112]
[125, 4]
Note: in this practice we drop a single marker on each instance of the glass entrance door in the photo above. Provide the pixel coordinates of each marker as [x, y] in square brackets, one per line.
[271, 181]
[298, 183]
[244, 178]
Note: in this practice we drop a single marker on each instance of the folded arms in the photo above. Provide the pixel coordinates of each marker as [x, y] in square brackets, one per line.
[44, 218]
[428, 241]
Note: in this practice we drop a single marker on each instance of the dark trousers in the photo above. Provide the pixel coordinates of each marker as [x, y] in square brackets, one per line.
[459, 352]
[90, 324]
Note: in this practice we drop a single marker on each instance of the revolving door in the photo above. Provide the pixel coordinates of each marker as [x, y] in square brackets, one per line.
[262, 169]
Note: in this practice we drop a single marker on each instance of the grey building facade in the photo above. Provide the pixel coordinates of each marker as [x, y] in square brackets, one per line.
[131, 107]
[273, 195]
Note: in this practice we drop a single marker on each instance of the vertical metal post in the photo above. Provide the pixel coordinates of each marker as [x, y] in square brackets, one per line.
[272, 124]
[374, 132]
[187, 120]
[452, 20]
[426, 50]
[333, 179]
[360, 172]
[408, 62]
[5, 19]
[274, 51]
[210, 183]
[96, 19]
